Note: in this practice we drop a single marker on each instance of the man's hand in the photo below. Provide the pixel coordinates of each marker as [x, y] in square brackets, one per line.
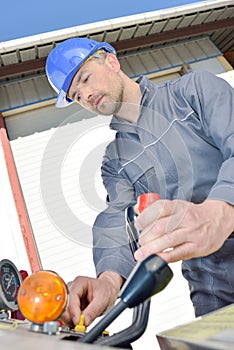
[179, 230]
[91, 297]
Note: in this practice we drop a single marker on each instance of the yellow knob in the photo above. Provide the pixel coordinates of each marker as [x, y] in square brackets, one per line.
[80, 327]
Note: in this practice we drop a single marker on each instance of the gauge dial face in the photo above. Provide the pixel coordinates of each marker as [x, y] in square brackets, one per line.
[10, 281]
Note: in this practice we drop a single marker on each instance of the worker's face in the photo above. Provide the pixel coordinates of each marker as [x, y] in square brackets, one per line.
[98, 86]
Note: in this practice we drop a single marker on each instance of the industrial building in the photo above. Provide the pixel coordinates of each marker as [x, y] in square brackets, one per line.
[50, 186]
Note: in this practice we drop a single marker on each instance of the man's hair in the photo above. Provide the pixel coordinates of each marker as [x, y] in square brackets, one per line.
[98, 54]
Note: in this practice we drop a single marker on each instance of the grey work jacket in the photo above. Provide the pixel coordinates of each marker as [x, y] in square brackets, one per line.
[182, 147]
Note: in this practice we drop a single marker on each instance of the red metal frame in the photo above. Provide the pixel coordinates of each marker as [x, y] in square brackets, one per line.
[26, 229]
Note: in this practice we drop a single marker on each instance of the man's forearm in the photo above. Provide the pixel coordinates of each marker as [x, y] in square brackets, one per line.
[114, 278]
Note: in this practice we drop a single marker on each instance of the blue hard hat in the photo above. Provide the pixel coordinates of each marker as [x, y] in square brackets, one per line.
[64, 61]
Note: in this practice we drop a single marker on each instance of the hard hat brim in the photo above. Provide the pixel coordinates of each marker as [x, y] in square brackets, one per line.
[62, 100]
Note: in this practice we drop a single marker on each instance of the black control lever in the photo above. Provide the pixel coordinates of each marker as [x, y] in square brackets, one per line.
[148, 277]
[125, 337]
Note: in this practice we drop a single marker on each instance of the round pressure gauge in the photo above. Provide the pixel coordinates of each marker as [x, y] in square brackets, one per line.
[10, 281]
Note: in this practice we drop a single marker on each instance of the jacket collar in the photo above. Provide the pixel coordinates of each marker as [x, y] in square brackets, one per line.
[148, 92]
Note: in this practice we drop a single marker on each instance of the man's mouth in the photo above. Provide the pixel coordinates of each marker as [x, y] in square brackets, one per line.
[98, 101]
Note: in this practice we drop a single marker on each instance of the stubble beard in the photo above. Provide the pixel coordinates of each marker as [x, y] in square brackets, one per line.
[115, 100]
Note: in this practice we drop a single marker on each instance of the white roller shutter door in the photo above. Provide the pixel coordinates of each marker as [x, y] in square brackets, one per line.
[62, 222]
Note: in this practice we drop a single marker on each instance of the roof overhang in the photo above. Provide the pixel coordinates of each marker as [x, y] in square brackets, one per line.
[214, 18]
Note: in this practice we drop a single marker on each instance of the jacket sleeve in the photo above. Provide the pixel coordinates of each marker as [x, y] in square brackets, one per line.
[111, 249]
[214, 100]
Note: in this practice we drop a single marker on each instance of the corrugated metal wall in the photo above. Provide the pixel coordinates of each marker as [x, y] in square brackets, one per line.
[167, 57]
[28, 91]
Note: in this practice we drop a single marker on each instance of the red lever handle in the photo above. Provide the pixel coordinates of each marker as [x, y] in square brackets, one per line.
[146, 199]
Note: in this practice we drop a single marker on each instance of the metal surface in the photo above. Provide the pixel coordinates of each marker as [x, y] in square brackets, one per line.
[18, 336]
[29, 90]
[214, 331]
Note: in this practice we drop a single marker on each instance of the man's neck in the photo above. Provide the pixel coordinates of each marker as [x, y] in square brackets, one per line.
[130, 108]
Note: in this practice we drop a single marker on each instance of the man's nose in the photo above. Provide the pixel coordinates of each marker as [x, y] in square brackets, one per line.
[86, 96]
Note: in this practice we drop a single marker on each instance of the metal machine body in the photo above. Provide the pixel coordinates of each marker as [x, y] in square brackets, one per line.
[43, 297]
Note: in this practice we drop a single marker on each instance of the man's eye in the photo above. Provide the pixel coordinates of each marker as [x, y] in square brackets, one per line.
[85, 79]
[76, 98]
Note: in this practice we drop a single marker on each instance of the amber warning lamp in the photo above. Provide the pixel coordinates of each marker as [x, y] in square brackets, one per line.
[43, 297]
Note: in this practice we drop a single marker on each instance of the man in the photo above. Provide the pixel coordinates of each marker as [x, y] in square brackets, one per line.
[176, 139]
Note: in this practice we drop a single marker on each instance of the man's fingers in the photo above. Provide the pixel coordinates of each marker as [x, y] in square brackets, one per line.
[77, 289]
[167, 241]
[92, 311]
[162, 225]
[156, 211]
[154, 231]
[149, 215]
[72, 314]
[182, 252]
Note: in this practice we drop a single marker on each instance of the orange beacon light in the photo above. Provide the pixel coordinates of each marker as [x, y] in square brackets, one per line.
[42, 297]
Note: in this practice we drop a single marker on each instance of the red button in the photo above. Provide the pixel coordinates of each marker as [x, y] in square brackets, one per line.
[146, 199]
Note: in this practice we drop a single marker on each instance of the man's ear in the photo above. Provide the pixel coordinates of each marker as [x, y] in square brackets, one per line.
[113, 62]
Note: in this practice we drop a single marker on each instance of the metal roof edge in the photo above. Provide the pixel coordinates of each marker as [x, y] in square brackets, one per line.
[95, 27]
[50, 100]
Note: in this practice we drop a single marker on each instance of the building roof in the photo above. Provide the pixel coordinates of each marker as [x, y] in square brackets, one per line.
[132, 33]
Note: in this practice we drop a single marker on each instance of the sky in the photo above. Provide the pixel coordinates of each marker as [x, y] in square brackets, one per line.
[26, 17]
